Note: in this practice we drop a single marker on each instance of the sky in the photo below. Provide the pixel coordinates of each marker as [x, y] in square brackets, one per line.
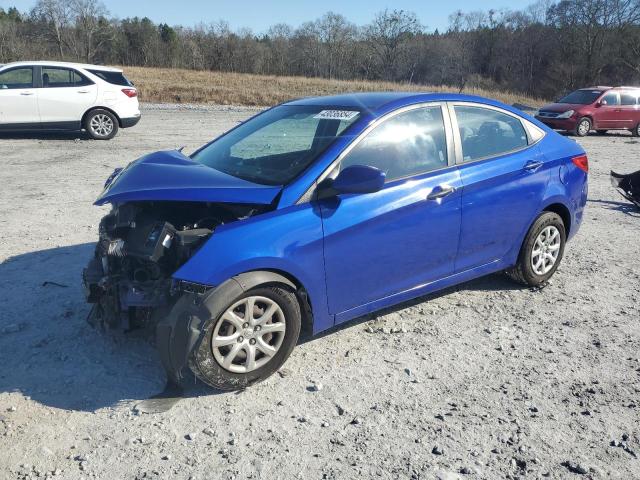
[258, 15]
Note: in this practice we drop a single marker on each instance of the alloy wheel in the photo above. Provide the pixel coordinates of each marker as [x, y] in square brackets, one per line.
[545, 250]
[248, 334]
[101, 125]
[584, 127]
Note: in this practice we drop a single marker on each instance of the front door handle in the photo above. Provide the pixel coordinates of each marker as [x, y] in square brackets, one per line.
[26, 93]
[532, 165]
[440, 191]
[83, 91]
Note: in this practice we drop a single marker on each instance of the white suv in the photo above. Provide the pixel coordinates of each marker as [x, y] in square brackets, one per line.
[66, 96]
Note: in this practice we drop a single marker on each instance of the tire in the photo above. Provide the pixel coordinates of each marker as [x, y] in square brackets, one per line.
[207, 361]
[601, 132]
[101, 124]
[583, 127]
[525, 271]
[636, 131]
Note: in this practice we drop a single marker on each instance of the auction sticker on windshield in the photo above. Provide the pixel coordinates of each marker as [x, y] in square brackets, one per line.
[337, 114]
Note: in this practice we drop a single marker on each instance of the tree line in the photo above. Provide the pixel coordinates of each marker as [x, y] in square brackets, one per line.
[542, 50]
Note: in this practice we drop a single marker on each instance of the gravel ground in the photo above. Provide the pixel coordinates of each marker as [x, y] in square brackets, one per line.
[483, 381]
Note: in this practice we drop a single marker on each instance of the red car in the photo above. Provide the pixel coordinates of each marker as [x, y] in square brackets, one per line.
[595, 108]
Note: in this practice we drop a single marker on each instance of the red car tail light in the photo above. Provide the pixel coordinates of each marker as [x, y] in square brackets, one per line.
[130, 92]
[582, 162]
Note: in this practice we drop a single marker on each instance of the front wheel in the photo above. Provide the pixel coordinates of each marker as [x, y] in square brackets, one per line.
[249, 340]
[636, 131]
[583, 127]
[541, 251]
[101, 124]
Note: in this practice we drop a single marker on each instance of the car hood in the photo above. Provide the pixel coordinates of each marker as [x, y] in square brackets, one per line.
[172, 176]
[561, 107]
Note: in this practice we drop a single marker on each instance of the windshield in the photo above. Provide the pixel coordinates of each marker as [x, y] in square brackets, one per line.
[275, 147]
[581, 97]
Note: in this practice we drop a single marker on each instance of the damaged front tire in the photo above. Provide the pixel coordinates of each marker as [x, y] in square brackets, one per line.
[235, 335]
[249, 339]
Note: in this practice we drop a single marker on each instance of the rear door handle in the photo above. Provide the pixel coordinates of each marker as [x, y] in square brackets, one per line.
[26, 93]
[83, 91]
[532, 165]
[440, 191]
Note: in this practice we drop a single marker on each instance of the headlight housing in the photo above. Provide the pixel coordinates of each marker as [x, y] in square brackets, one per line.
[567, 114]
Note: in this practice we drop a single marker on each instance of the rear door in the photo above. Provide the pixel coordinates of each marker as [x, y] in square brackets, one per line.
[65, 96]
[405, 235]
[503, 176]
[629, 109]
[18, 102]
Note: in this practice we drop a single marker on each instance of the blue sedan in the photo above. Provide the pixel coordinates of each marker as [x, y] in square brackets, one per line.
[321, 210]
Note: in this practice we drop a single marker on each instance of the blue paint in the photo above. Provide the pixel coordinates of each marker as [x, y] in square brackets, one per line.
[358, 252]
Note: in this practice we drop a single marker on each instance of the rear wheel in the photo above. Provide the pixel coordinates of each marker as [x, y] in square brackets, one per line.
[583, 127]
[636, 131]
[249, 340]
[541, 251]
[101, 124]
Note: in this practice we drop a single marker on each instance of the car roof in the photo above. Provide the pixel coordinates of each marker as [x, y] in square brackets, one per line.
[83, 66]
[378, 102]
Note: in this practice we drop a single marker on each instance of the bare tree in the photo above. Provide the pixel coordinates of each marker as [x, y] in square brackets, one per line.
[388, 37]
[92, 29]
[58, 17]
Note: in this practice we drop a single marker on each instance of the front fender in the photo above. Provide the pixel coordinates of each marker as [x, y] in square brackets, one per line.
[288, 241]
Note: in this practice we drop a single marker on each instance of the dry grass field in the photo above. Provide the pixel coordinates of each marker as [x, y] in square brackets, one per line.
[166, 85]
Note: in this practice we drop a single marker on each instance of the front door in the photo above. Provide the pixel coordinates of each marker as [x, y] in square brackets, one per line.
[65, 96]
[608, 114]
[406, 235]
[503, 182]
[18, 101]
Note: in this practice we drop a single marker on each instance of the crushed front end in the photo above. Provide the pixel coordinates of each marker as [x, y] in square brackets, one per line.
[141, 244]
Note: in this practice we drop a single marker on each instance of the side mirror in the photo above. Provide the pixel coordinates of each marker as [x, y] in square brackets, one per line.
[353, 179]
[601, 103]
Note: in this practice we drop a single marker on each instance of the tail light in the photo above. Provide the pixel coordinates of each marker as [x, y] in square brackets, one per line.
[582, 162]
[130, 92]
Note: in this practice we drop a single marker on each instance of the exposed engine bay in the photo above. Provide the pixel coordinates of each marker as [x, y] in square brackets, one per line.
[141, 244]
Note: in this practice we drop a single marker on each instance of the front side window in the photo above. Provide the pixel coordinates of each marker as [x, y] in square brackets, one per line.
[16, 78]
[407, 144]
[611, 99]
[486, 132]
[54, 77]
[628, 98]
[276, 146]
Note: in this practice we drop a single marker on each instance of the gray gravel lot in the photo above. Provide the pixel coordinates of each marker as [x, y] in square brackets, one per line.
[483, 381]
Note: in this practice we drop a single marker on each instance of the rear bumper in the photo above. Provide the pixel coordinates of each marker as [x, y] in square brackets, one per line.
[558, 124]
[130, 122]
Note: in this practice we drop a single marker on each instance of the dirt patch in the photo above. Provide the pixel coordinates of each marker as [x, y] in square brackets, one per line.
[483, 381]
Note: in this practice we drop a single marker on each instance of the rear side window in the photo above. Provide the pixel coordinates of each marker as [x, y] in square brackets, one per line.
[410, 143]
[55, 77]
[17, 78]
[114, 78]
[487, 133]
[628, 98]
[611, 99]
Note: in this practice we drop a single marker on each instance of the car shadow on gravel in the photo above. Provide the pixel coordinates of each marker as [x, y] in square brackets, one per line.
[623, 207]
[45, 135]
[48, 351]
[494, 282]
